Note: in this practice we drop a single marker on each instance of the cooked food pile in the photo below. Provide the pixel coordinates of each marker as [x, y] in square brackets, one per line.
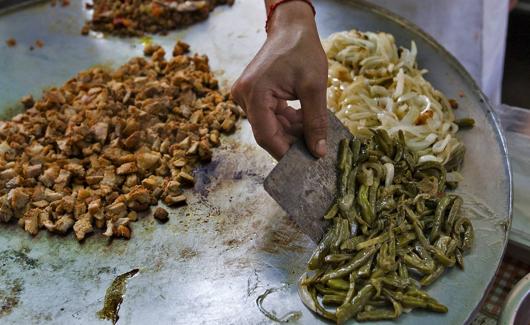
[374, 84]
[394, 232]
[136, 17]
[108, 144]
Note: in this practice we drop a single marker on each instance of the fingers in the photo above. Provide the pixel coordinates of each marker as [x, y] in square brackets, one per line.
[290, 118]
[315, 118]
[274, 124]
[268, 130]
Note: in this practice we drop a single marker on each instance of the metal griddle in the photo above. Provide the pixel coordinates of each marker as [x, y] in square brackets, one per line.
[212, 260]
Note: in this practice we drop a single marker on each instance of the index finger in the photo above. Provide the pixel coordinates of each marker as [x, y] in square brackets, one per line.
[266, 127]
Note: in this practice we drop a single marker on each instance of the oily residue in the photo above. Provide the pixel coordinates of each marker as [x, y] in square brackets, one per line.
[11, 256]
[203, 177]
[10, 298]
[114, 297]
[252, 283]
[234, 163]
[187, 253]
[282, 235]
[290, 316]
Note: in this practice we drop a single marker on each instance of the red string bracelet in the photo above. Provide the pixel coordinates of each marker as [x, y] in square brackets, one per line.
[278, 3]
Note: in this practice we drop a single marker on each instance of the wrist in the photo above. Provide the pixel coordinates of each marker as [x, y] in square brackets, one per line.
[292, 14]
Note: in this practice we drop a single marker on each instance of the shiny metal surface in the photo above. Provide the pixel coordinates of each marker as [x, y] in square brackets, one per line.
[212, 260]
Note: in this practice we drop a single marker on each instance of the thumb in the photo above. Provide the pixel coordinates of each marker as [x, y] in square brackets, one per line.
[315, 119]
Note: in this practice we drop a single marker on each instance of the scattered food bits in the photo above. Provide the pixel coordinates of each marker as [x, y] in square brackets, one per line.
[85, 30]
[180, 48]
[161, 215]
[11, 42]
[39, 43]
[175, 200]
[27, 101]
[150, 48]
[67, 165]
[123, 232]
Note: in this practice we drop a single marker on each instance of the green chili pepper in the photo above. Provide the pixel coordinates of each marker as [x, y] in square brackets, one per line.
[329, 291]
[358, 302]
[428, 279]
[430, 235]
[322, 249]
[465, 123]
[337, 258]
[439, 217]
[350, 243]
[464, 231]
[355, 263]
[366, 209]
[332, 211]
[332, 300]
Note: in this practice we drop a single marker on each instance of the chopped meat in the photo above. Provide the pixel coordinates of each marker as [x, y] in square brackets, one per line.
[117, 210]
[180, 48]
[175, 200]
[40, 204]
[11, 42]
[139, 199]
[27, 101]
[101, 130]
[49, 176]
[33, 170]
[109, 231]
[63, 224]
[152, 182]
[126, 18]
[63, 177]
[127, 168]
[147, 160]
[8, 174]
[31, 221]
[161, 215]
[14, 182]
[94, 207]
[92, 153]
[83, 226]
[123, 231]
[133, 216]
[173, 188]
[150, 48]
[186, 178]
[18, 198]
[52, 196]
[5, 209]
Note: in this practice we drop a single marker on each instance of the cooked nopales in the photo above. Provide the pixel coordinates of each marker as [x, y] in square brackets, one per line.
[394, 232]
[374, 84]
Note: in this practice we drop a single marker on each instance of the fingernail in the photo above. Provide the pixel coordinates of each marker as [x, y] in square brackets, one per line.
[321, 148]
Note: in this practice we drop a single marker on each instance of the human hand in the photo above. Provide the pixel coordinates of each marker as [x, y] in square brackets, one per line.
[291, 65]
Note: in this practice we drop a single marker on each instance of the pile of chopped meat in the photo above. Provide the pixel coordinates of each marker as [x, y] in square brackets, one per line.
[108, 144]
[136, 17]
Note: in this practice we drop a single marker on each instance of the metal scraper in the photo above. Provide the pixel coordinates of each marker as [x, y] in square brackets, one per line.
[305, 186]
